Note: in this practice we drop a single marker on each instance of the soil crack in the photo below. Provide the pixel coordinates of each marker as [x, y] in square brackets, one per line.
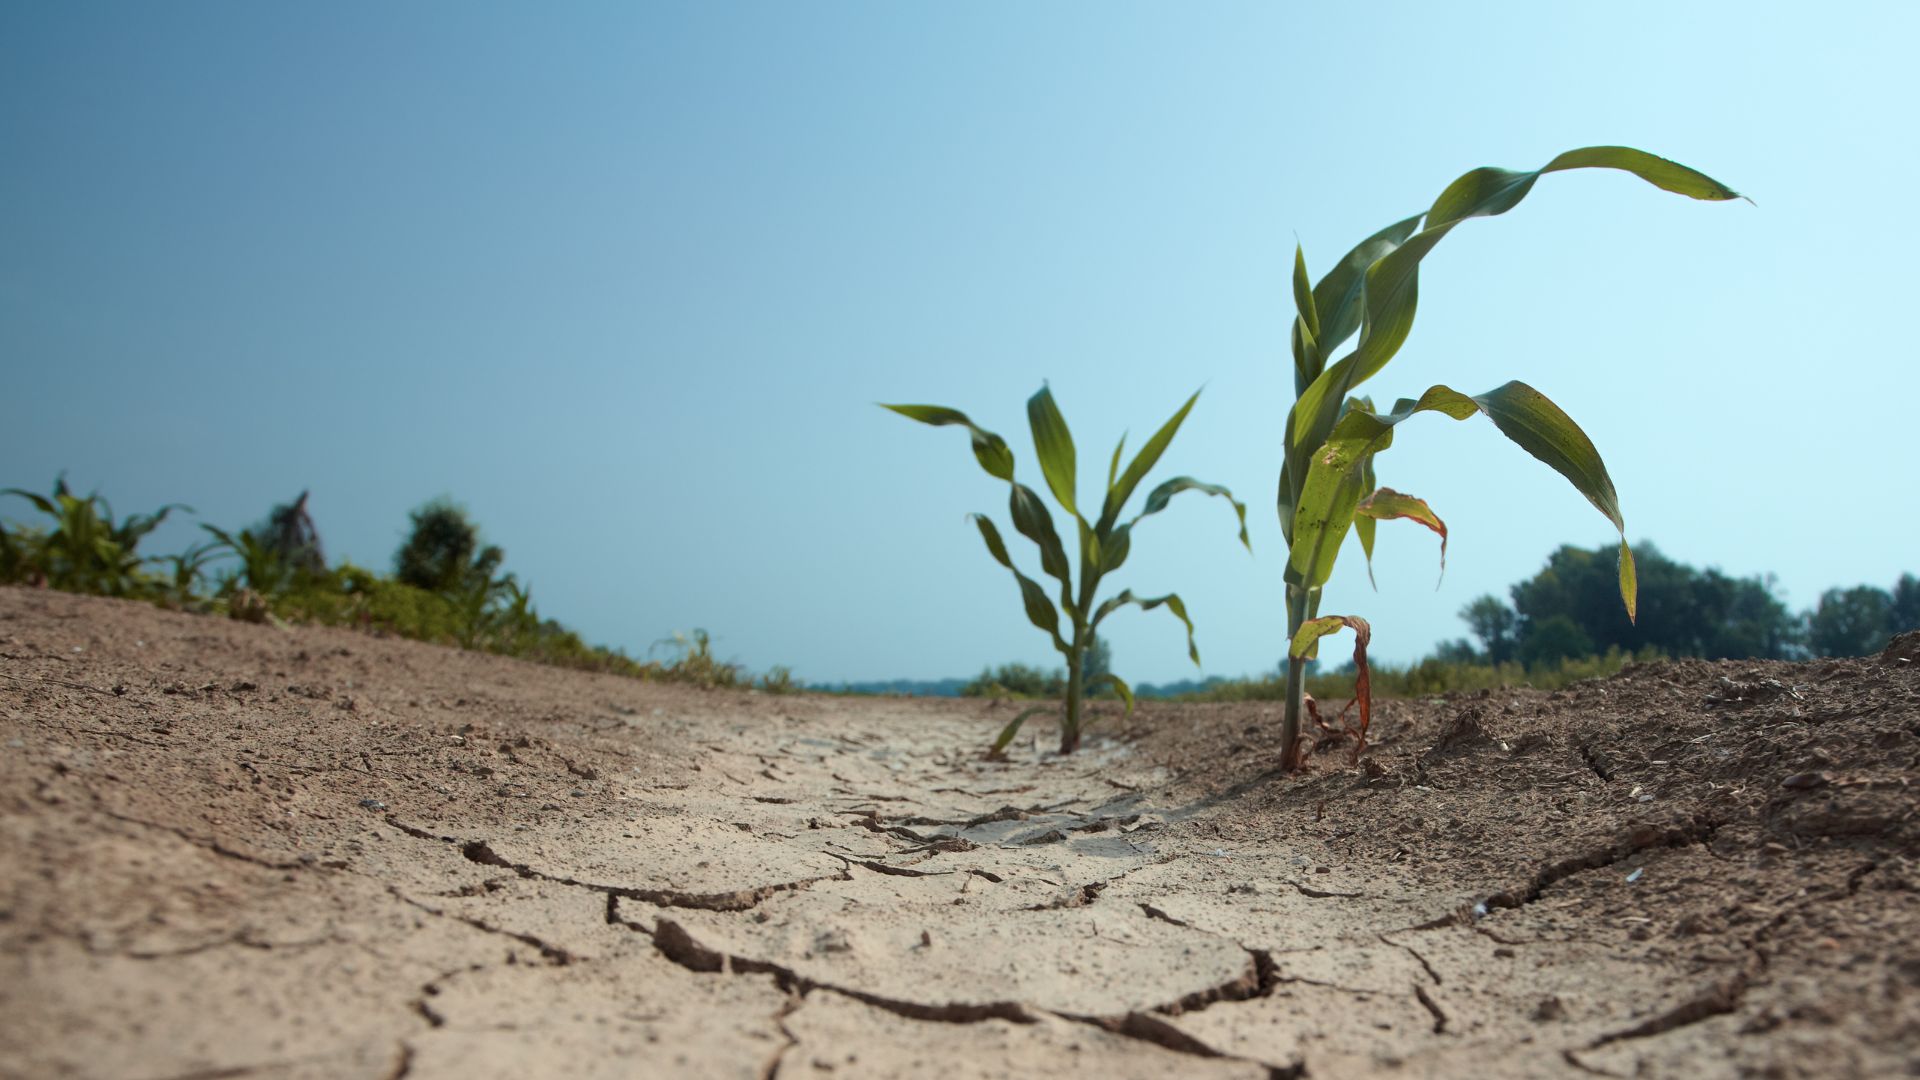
[1640, 838]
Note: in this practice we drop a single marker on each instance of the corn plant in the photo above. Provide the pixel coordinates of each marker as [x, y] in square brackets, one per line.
[1104, 542]
[1327, 484]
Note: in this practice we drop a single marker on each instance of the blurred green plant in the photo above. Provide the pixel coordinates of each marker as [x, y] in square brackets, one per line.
[82, 549]
[696, 663]
[1327, 483]
[262, 567]
[1103, 548]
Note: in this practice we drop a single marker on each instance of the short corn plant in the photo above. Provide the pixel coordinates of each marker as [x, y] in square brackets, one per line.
[1327, 484]
[1104, 542]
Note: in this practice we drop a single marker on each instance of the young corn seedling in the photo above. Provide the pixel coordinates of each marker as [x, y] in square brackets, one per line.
[1104, 542]
[1327, 482]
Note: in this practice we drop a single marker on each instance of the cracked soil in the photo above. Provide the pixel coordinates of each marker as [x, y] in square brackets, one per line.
[238, 851]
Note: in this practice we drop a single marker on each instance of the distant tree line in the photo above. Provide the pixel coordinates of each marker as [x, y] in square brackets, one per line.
[1571, 609]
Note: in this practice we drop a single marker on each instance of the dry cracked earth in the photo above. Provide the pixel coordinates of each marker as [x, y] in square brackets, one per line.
[241, 851]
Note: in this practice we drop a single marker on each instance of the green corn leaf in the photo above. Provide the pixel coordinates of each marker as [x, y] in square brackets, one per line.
[1031, 518]
[1157, 501]
[1332, 492]
[1054, 445]
[41, 502]
[1113, 467]
[1364, 526]
[1119, 687]
[1172, 602]
[1143, 462]
[1040, 610]
[1114, 552]
[989, 449]
[1390, 292]
[1338, 296]
[1386, 504]
[1307, 359]
[1629, 580]
[1005, 739]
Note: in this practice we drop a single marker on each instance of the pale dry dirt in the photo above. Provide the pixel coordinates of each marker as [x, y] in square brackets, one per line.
[230, 850]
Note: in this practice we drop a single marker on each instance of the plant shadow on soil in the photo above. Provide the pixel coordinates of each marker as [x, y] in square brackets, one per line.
[235, 850]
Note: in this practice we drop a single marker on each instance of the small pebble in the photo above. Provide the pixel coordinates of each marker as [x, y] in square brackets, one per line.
[372, 804]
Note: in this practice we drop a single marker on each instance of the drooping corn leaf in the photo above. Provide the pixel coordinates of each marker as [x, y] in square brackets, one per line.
[1119, 687]
[1333, 488]
[1040, 610]
[1172, 602]
[1386, 504]
[1364, 526]
[989, 449]
[1157, 501]
[1053, 444]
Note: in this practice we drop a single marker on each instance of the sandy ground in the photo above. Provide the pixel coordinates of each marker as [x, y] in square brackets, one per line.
[240, 851]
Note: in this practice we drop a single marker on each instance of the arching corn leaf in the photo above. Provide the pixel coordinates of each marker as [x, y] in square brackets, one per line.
[988, 449]
[1040, 610]
[1172, 602]
[1053, 444]
[41, 502]
[1391, 290]
[1386, 504]
[1157, 501]
[1332, 491]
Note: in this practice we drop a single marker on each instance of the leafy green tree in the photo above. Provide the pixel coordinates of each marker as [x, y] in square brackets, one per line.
[443, 553]
[1906, 604]
[1495, 624]
[1683, 612]
[1851, 622]
[1554, 639]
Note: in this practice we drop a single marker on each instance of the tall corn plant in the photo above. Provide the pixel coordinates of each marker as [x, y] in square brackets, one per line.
[1104, 541]
[1327, 484]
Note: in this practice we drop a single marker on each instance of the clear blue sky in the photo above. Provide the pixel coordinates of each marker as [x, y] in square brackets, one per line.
[628, 278]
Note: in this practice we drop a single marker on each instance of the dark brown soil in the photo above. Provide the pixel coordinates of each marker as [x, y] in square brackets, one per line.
[232, 850]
